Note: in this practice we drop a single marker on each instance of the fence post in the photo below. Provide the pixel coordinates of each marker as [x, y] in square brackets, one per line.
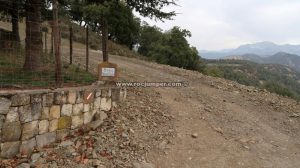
[71, 44]
[87, 49]
[46, 47]
[52, 39]
[58, 73]
[104, 39]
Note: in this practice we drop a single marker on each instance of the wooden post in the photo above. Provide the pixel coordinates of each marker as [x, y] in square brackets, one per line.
[87, 49]
[104, 39]
[46, 47]
[71, 44]
[58, 73]
[52, 39]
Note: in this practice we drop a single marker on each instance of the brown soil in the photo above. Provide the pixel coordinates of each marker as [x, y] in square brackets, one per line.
[236, 126]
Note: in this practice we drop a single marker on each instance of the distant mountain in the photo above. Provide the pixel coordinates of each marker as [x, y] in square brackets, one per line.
[247, 57]
[263, 49]
[280, 58]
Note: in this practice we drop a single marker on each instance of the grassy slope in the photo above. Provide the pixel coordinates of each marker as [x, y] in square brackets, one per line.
[11, 63]
[12, 74]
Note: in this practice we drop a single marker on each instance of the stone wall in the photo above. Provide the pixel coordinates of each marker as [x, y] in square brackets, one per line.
[33, 119]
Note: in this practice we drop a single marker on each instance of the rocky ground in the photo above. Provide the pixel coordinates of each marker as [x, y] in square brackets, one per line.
[132, 129]
[210, 123]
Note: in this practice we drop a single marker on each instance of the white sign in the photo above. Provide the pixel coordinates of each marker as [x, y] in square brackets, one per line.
[108, 72]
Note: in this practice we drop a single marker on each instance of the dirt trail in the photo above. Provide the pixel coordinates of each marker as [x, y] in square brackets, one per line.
[237, 126]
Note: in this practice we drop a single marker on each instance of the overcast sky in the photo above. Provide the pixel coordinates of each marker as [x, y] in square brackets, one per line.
[222, 24]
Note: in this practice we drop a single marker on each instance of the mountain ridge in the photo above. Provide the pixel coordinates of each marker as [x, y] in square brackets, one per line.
[263, 49]
[282, 58]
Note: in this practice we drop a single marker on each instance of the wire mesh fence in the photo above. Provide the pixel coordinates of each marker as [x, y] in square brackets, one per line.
[29, 61]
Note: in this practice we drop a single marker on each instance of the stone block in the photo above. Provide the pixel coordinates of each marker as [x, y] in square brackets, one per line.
[35, 99]
[48, 99]
[106, 92]
[23, 165]
[54, 112]
[100, 115]
[66, 110]
[53, 125]
[103, 115]
[97, 103]
[36, 111]
[115, 94]
[89, 116]
[25, 114]
[12, 115]
[77, 109]
[64, 122]
[86, 107]
[11, 131]
[123, 94]
[28, 146]
[105, 104]
[4, 105]
[43, 126]
[45, 139]
[114, 104]
[2, 119]
[10, 149]
[77, 121]
[60, 98]
[79, 98]
[98, 93]
[20, 100]
[29, 130]
[72, 97]
[94, 124]
[45, 113]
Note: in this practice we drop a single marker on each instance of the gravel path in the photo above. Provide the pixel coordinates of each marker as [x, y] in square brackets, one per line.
[219, 123]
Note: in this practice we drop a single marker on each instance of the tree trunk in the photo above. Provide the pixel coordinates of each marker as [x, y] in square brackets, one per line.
[71, 45]
[52, 40]
[15, 28]
[87, 49]
[46, 38]
[34, 42]
[104, 39]
[15, 21]
[56, 33]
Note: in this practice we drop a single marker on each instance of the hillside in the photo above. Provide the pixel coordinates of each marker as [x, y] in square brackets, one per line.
[273, 77]
[246, 57]
[286, 59]
[217, 123]
[211, 122]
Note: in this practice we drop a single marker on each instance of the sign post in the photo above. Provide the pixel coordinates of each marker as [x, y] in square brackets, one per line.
[108, 71]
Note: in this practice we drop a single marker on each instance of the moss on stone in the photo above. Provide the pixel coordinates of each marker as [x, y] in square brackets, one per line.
[64, 122]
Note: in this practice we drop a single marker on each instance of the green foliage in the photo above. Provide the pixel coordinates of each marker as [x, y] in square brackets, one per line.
[152, 8]
[274, 78]
[214, 71]
[169, 47]
[124, 27]
[279, 89]
[148, 37]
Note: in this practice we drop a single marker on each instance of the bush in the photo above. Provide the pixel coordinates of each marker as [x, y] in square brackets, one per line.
[213, 71]
[279, 89]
